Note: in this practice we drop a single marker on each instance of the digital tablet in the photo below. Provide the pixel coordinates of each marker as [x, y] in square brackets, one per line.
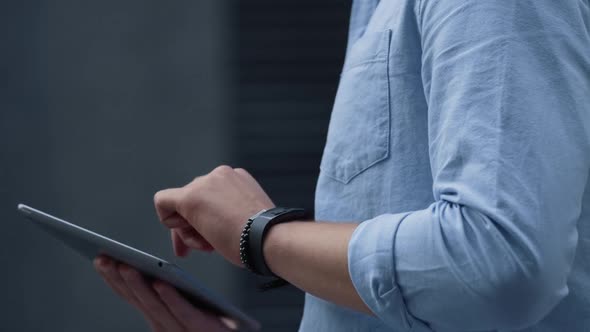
[90, 245]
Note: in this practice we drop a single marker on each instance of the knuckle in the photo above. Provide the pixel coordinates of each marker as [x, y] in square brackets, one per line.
[244, 173]
[223, 170]
[189, 200]
[188, 191]
[157, 198]
[190, 187]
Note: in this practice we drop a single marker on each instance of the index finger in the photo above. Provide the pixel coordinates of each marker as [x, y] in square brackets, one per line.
[166, 202]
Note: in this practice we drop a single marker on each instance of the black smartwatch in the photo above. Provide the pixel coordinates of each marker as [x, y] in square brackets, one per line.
[255, 230]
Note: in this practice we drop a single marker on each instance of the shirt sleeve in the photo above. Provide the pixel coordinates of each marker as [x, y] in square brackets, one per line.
[507, 85]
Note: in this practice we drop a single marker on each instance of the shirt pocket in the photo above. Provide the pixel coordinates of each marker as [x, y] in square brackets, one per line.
[358, 135]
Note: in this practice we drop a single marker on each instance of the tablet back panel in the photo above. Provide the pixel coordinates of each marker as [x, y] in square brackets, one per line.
[90, 245]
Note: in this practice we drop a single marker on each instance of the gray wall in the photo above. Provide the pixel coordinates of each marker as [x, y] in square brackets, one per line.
[103, 103]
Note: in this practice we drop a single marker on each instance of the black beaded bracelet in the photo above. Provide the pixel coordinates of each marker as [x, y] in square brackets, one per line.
[244, 249]
[245, 240]
[254, 232]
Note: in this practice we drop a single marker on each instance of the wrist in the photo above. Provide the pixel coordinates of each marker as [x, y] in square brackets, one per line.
[276, 244]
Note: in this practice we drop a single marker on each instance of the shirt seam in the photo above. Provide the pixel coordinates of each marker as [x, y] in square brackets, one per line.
[420, 16]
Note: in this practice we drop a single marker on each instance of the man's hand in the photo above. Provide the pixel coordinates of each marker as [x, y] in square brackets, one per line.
[207, 214]
[210, 212]
[162, 306]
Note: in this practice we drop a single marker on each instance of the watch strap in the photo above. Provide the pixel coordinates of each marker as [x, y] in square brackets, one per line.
[259, 227]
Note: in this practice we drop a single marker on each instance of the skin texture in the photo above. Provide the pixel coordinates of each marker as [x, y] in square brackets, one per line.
[209, 214]
[162, 306]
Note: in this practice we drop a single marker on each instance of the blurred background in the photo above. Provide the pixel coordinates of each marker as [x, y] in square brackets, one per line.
[102, 103]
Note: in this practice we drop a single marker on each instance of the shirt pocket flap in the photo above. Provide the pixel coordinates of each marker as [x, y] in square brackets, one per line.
[371, 47]
[359, 132]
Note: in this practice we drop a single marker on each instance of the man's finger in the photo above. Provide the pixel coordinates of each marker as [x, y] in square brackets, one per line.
[193, 239]
[108, 270]
[180, 249]
[175, 220]
[166, 202]
[154, 307]
[184, 312]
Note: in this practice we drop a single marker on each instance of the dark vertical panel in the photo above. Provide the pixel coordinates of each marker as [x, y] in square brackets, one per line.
[289, 54]
[103, 103]
[23, 144]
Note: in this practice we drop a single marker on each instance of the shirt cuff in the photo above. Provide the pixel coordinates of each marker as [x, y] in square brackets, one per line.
[372, 270]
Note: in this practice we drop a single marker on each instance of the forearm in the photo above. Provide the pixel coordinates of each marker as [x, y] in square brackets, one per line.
[313, 256]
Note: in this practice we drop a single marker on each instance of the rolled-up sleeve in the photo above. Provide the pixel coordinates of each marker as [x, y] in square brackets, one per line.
[508, 94]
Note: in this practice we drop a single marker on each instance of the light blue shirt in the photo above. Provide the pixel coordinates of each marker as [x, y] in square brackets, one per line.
[460, 135]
